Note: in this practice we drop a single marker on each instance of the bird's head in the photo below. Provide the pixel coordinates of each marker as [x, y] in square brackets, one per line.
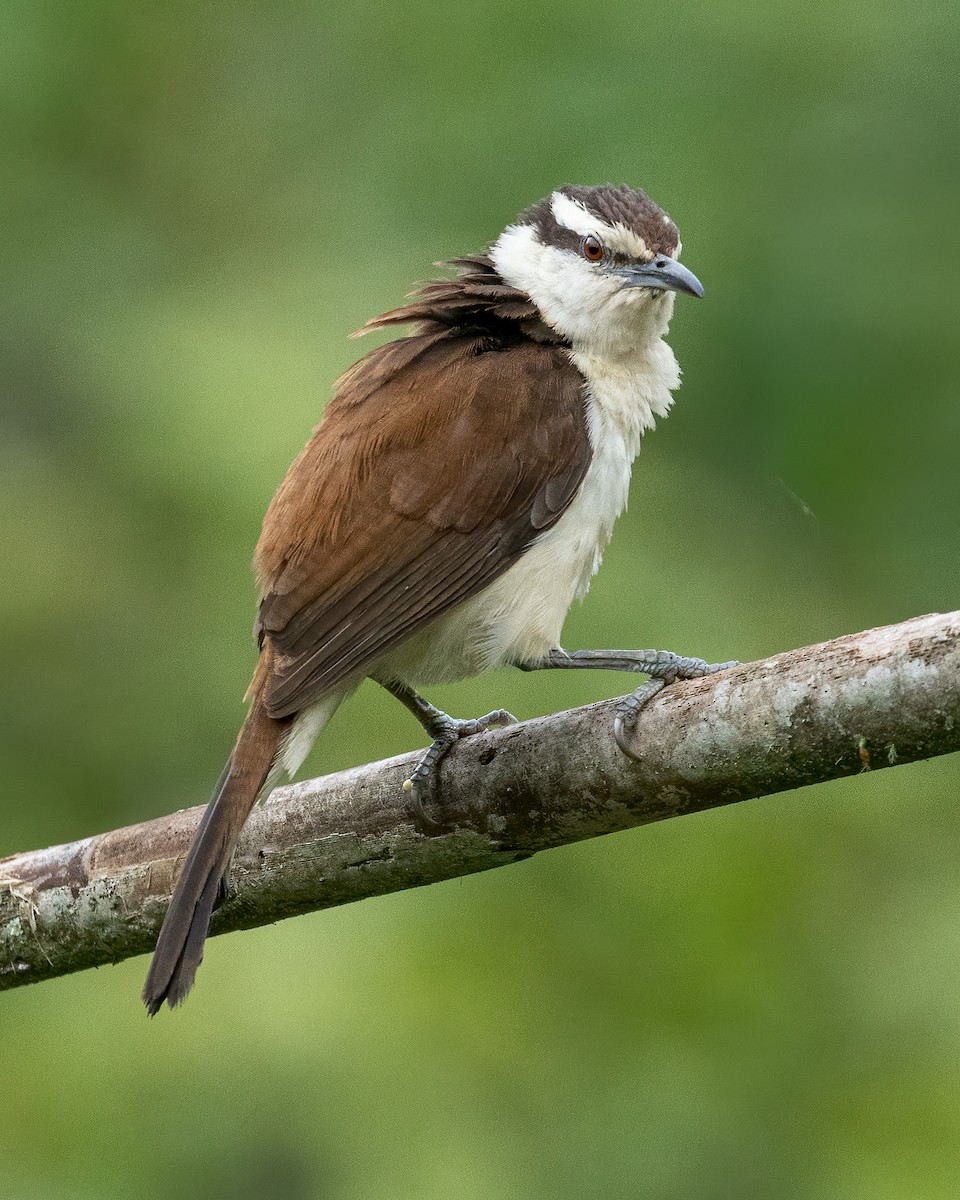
[601, 265]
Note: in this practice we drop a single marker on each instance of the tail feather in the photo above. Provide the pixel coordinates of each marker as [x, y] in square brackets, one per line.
[201, 884]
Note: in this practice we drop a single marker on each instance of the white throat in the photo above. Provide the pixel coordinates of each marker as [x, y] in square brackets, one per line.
[589, 307]
[616, 333]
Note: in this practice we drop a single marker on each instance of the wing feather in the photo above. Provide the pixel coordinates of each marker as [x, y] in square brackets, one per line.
[436, 465]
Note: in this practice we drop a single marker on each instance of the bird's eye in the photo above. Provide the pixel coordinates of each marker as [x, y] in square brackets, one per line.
[591, 248]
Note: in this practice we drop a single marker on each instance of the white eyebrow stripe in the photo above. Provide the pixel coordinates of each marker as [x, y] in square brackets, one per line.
[572, 215]
[619, 237]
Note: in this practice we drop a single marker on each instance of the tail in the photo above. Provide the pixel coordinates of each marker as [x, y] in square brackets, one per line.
[202, 882]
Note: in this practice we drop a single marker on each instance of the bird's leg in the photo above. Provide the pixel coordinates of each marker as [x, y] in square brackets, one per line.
[662, 666]
[446, 731]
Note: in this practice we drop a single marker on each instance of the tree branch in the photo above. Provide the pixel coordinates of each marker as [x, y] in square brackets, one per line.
[856, 704]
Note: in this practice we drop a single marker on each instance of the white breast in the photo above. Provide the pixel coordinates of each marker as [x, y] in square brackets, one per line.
[519, 617]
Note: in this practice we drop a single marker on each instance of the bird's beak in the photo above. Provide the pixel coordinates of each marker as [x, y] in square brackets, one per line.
[663, 273]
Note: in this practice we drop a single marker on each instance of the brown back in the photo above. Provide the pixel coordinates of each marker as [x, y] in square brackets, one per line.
[441, 458]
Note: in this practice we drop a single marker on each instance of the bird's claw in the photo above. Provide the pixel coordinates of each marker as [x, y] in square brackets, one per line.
[447, 731]
[628, 710]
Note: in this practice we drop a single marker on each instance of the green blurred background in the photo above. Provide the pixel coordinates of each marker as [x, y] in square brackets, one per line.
[200, 202]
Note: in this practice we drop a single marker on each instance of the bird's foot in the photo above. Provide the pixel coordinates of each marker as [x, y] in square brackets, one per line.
[663, 667]
[446, 732]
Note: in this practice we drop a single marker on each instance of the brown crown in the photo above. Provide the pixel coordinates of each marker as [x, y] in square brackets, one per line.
[624, 205]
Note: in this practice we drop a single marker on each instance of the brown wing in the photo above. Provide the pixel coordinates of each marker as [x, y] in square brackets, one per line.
[434, 468]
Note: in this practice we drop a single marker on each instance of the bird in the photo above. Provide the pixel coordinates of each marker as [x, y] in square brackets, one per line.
[453, 502]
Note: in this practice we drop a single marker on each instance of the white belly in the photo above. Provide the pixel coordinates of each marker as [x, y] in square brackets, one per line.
[519, 618]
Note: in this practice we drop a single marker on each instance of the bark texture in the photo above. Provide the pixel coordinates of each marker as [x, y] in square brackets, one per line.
[845, 707]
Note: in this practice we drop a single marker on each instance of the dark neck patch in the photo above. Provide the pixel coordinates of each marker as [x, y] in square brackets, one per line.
[478, 302]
